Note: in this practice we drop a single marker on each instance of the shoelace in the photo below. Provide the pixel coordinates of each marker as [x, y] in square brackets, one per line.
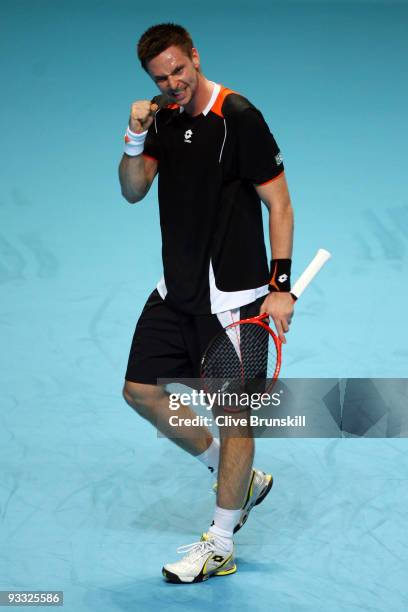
[196, 549]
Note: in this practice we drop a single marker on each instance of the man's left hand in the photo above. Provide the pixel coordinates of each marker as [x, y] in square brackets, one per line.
[280, 307]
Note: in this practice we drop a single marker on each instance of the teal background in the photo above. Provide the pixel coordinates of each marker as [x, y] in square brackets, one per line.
[91, 501]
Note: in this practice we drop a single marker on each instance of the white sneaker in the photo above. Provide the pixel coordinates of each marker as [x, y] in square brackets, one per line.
[259, 487]
[203, 560]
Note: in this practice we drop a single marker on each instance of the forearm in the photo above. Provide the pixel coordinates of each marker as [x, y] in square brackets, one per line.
[134, 181]
[281, 229]
[279, 303]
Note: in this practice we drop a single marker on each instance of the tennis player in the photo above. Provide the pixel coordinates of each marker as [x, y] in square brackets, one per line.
[216, 160]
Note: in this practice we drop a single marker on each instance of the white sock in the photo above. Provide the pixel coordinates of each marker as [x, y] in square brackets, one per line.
[223, 524]
[211, 457]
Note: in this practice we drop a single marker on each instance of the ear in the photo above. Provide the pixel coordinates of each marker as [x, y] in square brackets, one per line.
[195, 58]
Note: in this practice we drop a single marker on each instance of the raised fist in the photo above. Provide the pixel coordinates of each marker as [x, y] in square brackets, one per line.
[142, 115]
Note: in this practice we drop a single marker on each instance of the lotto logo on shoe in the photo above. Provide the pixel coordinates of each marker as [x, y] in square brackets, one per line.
[187, 136]
[282, 278]
[212, 563]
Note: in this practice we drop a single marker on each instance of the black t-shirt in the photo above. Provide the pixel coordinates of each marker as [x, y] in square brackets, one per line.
[209, 208]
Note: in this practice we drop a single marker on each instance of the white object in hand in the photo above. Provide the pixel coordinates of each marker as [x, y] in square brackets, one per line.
[318, 261]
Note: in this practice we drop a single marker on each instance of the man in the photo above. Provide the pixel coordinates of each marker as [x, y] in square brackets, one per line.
[216, 160]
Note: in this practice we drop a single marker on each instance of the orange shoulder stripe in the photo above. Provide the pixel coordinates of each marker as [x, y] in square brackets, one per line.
[217, 106]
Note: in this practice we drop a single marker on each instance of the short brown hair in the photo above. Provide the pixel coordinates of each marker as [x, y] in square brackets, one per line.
[160, 37]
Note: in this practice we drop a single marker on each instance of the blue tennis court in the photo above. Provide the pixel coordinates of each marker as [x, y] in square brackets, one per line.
[92, 503]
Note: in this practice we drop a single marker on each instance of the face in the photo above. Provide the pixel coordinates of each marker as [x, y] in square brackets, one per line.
[175, 74]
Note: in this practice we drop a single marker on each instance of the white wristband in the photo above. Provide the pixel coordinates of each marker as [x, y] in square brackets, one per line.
[134, 143]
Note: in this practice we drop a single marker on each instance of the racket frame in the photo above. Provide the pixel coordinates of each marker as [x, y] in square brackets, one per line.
[318, 261]
[258, 320]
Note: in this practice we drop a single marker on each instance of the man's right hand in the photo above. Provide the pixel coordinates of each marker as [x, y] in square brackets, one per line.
[142, 115]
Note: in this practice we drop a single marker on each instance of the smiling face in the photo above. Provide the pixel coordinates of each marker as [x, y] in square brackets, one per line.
[176, 74]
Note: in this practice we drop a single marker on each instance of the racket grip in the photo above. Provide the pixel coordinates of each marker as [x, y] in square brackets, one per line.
[318, 261]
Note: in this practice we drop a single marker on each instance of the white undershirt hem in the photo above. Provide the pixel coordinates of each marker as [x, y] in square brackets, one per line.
[223, 301]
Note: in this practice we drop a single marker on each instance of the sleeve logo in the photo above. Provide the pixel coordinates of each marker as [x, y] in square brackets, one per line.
[279, 159]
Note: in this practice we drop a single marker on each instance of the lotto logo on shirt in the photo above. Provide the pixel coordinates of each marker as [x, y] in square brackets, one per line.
[187, 136]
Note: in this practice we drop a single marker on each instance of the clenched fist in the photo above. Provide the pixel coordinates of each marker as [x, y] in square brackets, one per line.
[142, 115]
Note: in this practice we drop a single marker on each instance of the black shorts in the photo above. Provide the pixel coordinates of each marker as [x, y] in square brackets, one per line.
[170, 344]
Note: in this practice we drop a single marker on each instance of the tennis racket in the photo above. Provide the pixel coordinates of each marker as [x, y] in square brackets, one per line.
[249, 351]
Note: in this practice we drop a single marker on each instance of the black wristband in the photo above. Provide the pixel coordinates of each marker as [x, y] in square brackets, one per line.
[280, 275]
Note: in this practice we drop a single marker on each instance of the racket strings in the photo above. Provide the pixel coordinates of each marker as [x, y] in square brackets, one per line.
[242, 352]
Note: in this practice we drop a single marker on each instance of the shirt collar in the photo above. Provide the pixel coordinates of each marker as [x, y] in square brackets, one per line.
[213, 98]
[216, 90]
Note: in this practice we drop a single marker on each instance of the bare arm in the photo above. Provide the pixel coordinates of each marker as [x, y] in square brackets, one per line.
[136, 175]
[275, 195]
[136, 172]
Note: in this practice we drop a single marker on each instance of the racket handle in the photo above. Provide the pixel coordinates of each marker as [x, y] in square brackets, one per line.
[312, 269]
